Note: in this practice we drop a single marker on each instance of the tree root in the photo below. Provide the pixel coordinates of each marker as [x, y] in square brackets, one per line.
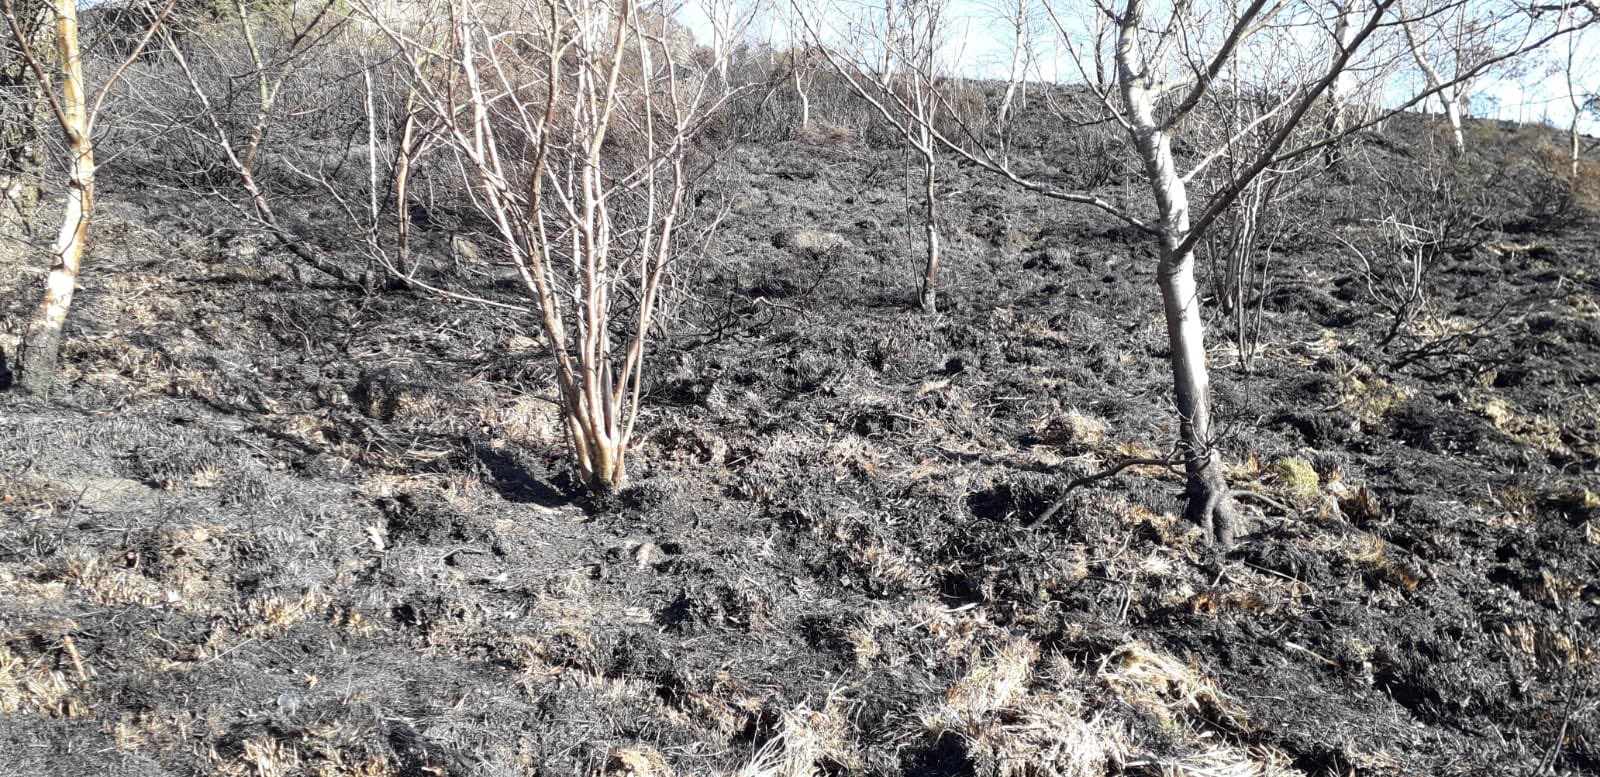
[1087, 480]
[1211, 502]
[1211, 506]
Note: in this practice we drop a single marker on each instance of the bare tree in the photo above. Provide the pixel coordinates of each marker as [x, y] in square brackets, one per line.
[1581, 101]
[574, 121]
[1019, 20]
[1163, 72]
[799, 61]
[1450, 40]
[73, 109]
[1342, 92]
[241, 146]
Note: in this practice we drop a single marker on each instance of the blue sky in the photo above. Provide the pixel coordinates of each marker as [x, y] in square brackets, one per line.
[980, 47]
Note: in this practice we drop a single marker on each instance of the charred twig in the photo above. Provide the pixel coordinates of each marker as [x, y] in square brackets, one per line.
[1547, 762]
[1262, 498]
[1089, 480]
[70, 647]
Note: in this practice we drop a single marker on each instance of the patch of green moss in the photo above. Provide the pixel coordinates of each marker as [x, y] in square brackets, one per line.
[1298, 480]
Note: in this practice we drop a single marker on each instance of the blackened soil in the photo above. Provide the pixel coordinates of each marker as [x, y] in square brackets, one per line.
[270, 527]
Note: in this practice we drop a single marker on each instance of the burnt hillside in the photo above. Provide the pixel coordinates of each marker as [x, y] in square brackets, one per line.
[273, 526]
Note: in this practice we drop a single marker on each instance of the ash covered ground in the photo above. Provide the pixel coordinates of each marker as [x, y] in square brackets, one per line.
[272, 526]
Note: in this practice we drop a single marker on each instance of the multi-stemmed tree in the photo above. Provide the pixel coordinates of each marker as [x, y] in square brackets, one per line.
[574, 121]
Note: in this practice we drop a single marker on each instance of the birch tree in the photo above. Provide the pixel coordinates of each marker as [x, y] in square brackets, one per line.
[1448, 42]
[1018, 20]
[1164, 70]
[574, 122]
[59, 80]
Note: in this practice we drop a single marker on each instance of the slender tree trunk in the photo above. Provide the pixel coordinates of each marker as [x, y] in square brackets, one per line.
[800, 89]
[928, 293]
[41, 347]
[1343, 86]
[1016, 76]
[1448, 97]
[1452, 114]
[402, 196]
[1019, 27]
[1209, 503]
[1573, 98]
[1572, 136]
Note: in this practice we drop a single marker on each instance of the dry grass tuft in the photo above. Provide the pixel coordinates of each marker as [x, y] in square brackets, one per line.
[1187, 702]
[827, 133]
[1361, 505]
[990, 686]
[1547, 648]
[636, 761]
[809, 743]
[1529, 429]
[1298, 481]
[1369, 396]
[331, 751]
[1227, 761]
[1014, 724]
[114, 586]
[35, 685]
[29, 496]
[272, 614]
[1073, 431]
[1172, 691]
[1371, 553]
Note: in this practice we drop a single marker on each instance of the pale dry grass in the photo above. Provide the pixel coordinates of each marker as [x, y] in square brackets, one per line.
[1174, 692]
[1190, 704]
[1527, 428]
[329, 751]
[1073, 430]
[1014, 723]
[809, 743]
[1545, 647]
[1371, 553]
[33, 684]
[1227, 761]
[635, 761]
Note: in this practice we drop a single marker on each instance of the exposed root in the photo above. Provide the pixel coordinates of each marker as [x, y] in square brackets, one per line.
[1211, 504]
[1089, 480]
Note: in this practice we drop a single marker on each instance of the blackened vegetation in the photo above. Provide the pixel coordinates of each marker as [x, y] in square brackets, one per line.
[288, 527]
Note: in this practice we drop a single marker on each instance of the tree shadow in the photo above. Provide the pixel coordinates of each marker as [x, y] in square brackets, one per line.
[518, 480]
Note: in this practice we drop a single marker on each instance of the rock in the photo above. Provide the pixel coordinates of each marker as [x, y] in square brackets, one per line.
[809, 241]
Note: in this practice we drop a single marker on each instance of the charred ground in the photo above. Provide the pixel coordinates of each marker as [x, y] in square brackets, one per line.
[274, 527]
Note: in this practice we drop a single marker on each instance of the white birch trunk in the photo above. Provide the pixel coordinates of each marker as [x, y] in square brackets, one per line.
[41, 347]
[928, 293]
[1452, 114]
[1342, 90]
[1449, 97]
[1019, 27]
[1209, 504]
[1343, 86]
